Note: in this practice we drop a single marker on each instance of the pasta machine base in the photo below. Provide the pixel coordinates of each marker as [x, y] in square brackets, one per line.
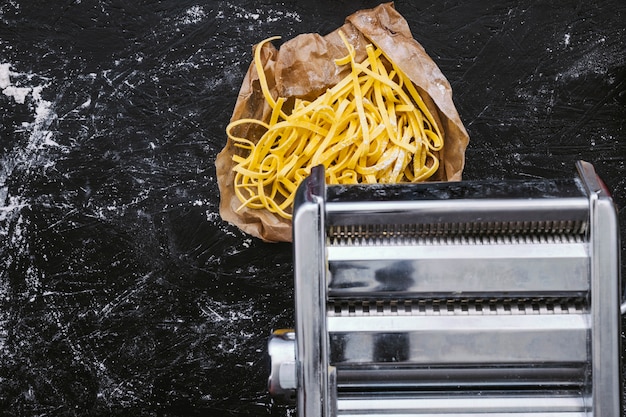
[453, 299]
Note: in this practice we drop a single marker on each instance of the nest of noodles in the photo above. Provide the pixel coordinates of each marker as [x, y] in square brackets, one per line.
[302, 71]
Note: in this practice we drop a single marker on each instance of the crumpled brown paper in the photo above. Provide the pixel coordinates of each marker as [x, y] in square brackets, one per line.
[304, 67]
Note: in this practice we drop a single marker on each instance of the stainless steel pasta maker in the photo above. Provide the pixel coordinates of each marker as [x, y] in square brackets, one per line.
[464, 299]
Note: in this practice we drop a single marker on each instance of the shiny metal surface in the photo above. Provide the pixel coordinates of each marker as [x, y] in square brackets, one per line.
[484, 211]
[469, 340]
[396, 377]
[492, 404]
[605, 293]
[313, 392]
[282, 382]
[456, 300]
[386, 270]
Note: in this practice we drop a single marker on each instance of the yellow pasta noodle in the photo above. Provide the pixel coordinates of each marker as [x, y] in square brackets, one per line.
[371, 127]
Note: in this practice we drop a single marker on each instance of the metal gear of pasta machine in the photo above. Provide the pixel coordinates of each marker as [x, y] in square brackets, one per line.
[490, 298]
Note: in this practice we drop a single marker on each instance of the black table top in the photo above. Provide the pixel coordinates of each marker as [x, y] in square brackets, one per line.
[121, 290]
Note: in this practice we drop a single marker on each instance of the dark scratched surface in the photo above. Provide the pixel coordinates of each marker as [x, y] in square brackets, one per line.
[121, 290]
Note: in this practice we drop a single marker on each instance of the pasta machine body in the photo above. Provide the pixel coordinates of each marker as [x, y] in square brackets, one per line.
[491, 298]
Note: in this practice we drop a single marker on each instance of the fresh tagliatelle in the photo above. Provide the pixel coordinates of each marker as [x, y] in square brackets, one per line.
[371, 127]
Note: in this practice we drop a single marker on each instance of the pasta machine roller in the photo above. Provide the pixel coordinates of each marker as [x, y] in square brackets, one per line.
[470, 298]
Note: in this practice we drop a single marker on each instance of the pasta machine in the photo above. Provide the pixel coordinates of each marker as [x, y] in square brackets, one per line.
[464, 299]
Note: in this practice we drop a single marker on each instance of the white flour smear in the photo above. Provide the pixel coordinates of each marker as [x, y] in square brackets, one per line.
[30, 150]
[192, 15]
[259, 15]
